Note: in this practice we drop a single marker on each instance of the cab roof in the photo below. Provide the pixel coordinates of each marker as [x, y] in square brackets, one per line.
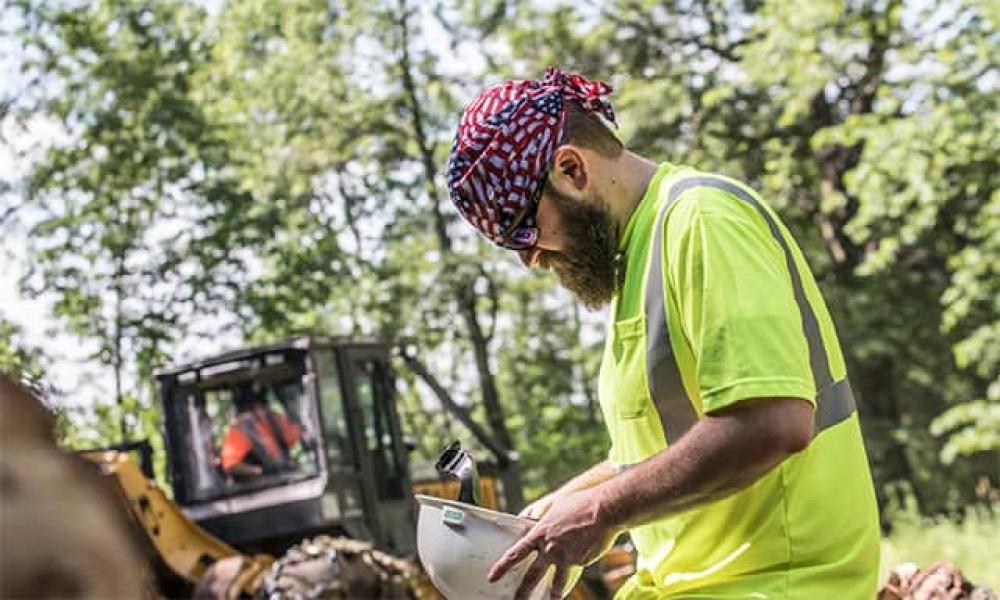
[304, 342]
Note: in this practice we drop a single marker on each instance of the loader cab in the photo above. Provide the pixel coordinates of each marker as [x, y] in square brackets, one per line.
[271, 444]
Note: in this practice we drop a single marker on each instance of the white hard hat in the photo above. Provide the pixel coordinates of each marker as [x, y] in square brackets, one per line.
[458, 543]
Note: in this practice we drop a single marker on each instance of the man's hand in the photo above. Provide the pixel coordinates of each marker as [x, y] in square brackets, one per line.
[572, 532]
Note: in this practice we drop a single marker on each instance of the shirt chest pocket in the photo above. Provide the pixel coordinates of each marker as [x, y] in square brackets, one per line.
[629, 389]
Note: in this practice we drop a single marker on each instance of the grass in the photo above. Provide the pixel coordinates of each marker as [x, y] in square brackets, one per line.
[972, 543]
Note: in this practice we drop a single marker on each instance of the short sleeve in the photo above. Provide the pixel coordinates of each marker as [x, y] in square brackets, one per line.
[735, 302]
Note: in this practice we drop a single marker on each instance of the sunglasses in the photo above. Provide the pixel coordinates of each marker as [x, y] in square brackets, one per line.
[524, 234]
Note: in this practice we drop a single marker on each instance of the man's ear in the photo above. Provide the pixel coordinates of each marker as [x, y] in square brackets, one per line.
[569, 169]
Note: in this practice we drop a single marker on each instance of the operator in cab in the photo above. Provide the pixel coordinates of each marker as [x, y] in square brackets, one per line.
[259, 441]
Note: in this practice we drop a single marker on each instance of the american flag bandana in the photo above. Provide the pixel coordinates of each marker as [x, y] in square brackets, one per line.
[504, 145]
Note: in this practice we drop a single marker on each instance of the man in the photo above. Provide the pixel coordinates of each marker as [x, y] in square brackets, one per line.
[259, 439]
[737, 463]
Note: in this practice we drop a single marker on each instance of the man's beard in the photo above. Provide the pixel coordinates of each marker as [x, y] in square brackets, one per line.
[588, 265]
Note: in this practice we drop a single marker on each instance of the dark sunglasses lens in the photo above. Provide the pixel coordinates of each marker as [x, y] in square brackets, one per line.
[521, 238]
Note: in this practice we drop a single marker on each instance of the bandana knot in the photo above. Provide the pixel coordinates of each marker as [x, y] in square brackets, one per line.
[589, 94]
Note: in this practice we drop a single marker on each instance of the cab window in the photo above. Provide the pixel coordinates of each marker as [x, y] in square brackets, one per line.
[246, 433]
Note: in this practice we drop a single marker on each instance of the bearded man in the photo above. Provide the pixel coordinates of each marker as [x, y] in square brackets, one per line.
[736, 464]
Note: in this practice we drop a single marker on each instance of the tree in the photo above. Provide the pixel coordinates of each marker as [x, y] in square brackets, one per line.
[21, 361]
[356, 138]
[274, 168]
[134, 235]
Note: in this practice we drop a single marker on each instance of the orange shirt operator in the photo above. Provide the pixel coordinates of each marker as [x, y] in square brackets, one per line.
[238, 447]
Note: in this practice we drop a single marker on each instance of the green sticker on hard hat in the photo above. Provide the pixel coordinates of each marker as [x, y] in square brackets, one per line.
[452, 516]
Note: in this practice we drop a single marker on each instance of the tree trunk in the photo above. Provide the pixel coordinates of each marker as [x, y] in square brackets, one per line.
[464, 293]
[117, 358]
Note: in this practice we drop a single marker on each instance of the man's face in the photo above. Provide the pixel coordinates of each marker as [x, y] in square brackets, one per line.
[578, 242]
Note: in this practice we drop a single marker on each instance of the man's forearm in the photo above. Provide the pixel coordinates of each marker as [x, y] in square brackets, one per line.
[595, 475]
[719, 455]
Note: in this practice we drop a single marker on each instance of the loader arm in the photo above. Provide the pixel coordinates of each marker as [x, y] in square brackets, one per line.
[183, 546]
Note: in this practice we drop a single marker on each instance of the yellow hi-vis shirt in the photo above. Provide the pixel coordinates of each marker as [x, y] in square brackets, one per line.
[719, 306]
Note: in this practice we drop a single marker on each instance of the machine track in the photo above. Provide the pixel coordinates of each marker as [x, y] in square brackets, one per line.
[326, 567]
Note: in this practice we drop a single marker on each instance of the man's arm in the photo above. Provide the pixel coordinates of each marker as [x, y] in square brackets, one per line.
[243, 469]
[593, 476]
[721, 454]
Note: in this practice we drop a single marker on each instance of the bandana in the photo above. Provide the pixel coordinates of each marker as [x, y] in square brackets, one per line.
[505, 142]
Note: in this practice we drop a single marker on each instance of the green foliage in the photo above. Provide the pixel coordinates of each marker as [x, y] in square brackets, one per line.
[19, 361]
[137, 224]
[545, 370]
[119, 74]
[971, 427]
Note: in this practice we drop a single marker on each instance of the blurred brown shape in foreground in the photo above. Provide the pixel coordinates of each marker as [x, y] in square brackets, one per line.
[940, 581]
[60, 534]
